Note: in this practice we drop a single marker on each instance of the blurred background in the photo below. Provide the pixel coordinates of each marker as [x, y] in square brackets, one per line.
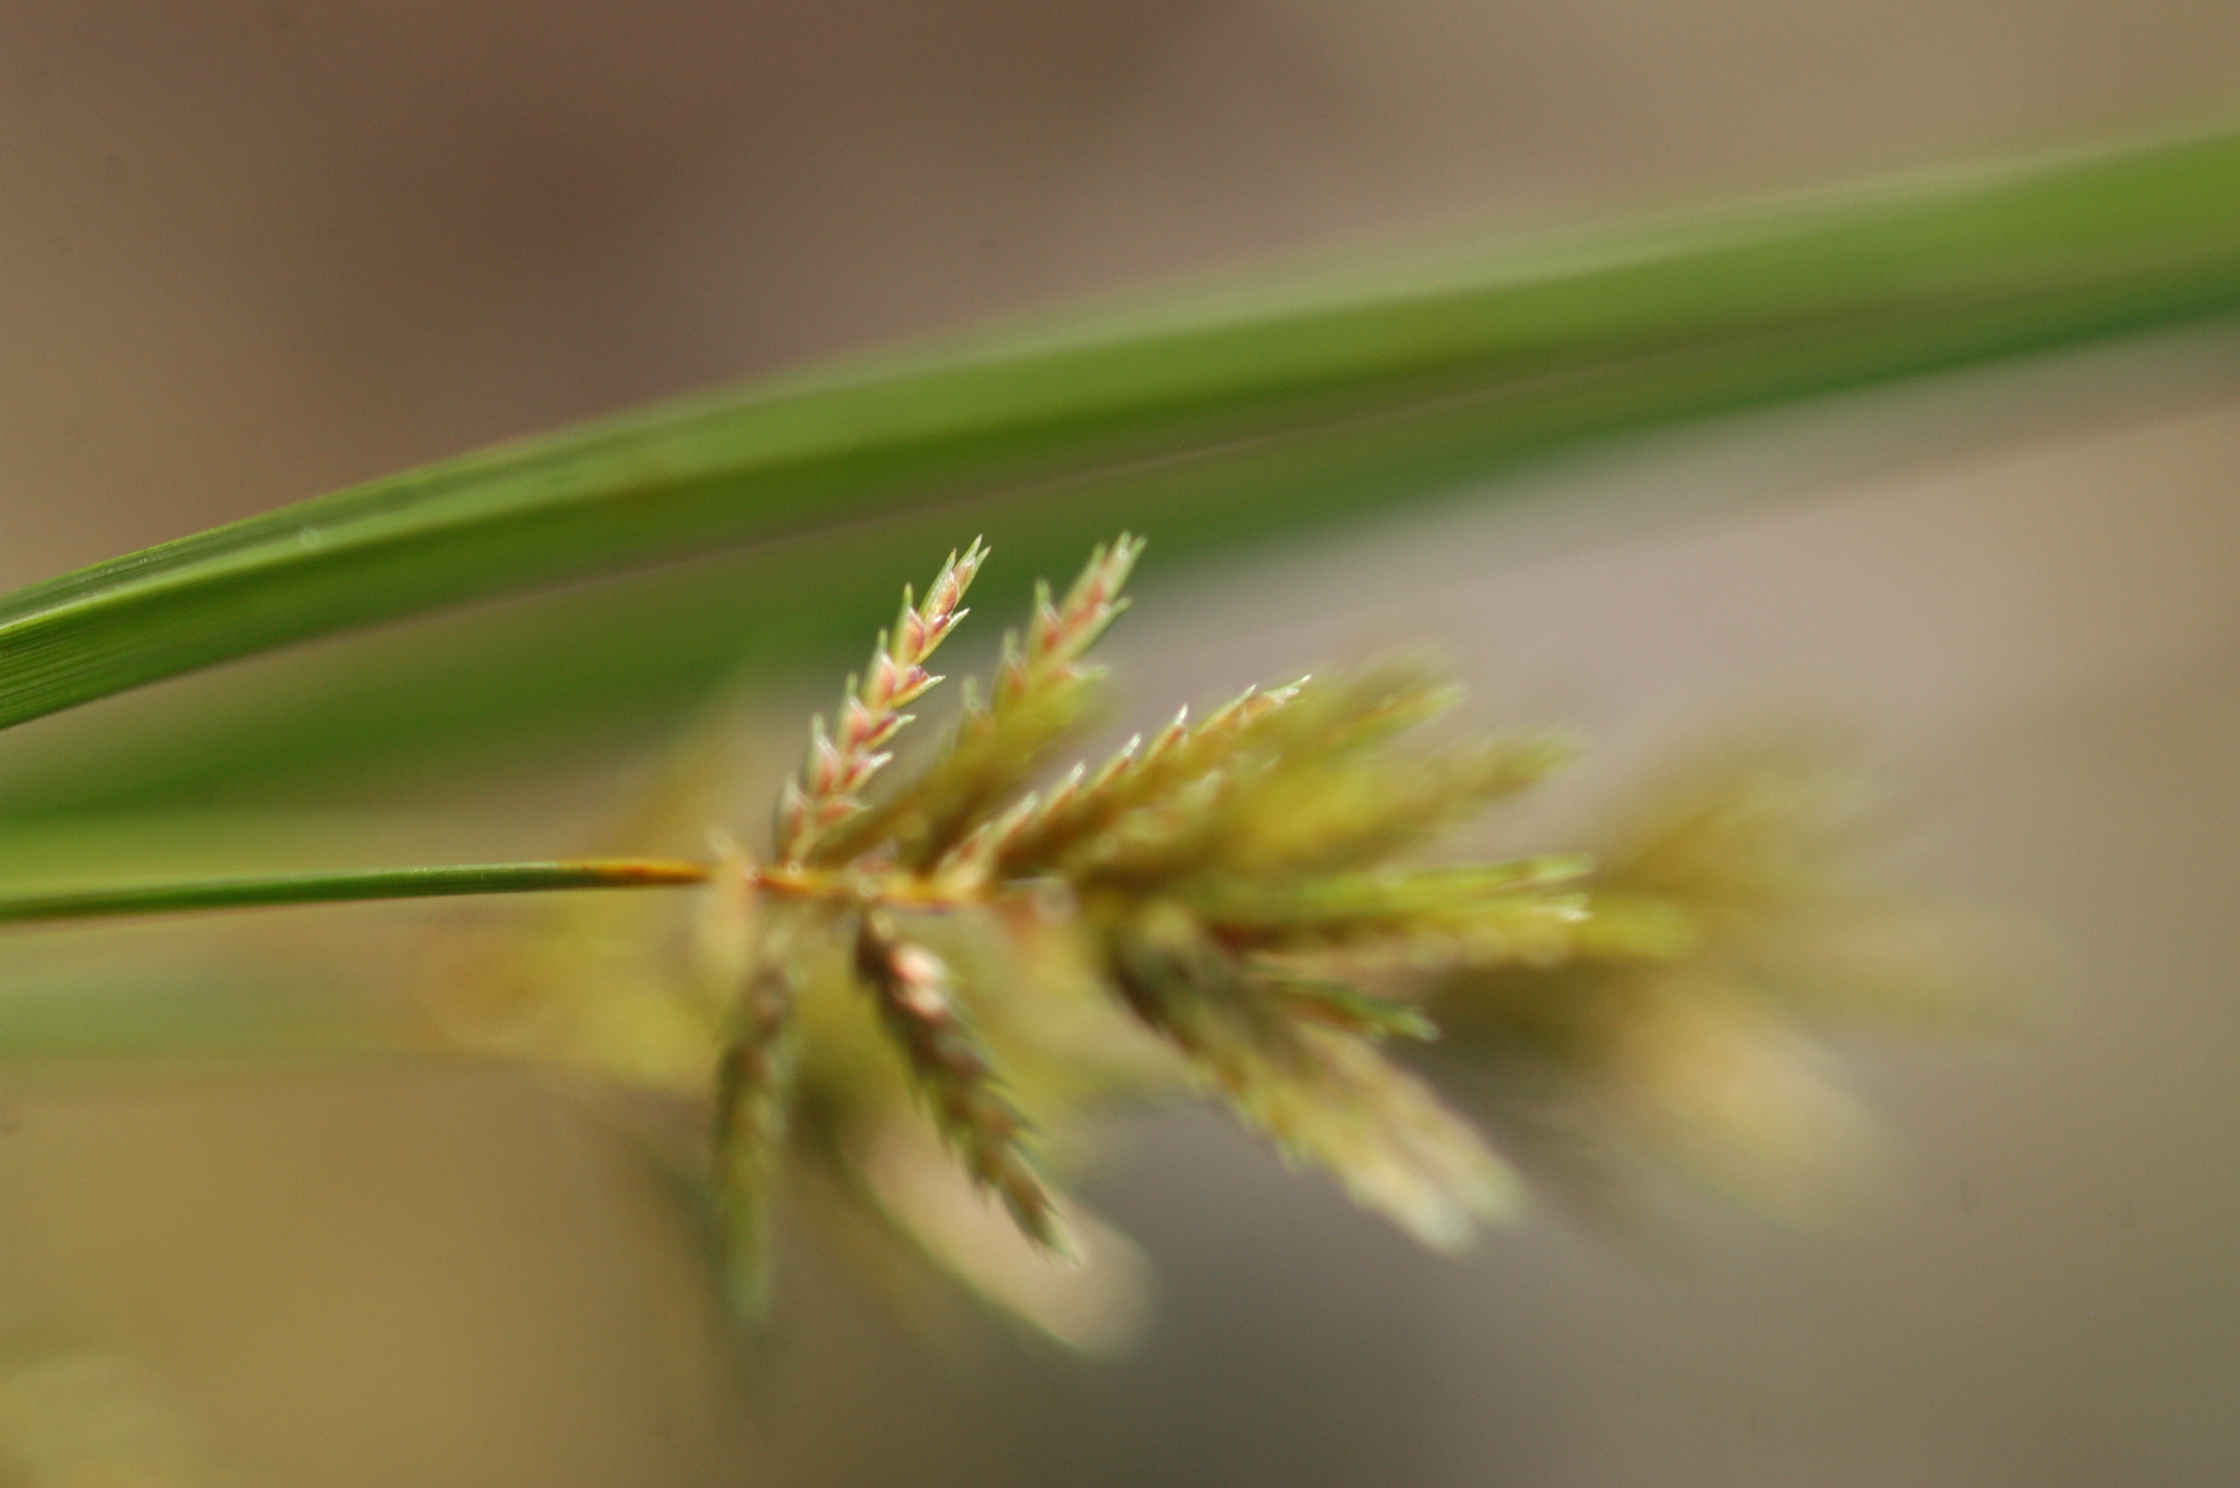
[250, 252]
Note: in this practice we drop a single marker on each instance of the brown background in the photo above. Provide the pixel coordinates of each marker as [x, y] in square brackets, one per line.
[250, 252]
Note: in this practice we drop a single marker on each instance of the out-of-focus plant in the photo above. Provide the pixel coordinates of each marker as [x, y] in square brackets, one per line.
[1687, 1027]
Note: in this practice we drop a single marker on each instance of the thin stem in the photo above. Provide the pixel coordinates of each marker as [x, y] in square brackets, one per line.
[341, 887]
[897, 890]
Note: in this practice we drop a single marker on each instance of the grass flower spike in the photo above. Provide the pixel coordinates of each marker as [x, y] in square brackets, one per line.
[1202, 878]
[898, 1021]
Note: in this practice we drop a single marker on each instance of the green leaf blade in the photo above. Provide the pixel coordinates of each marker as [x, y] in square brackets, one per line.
[1400, 382]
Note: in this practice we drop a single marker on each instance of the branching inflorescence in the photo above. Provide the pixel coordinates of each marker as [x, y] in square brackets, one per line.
[976, 936]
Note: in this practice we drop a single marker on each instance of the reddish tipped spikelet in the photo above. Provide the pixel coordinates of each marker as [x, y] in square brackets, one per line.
[917, 997]
[840, 765]
[1060, 634]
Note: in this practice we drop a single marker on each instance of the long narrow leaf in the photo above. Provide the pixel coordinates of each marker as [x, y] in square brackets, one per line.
[1244, 414]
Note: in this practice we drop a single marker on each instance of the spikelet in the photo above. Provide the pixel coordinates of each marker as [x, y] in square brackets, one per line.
[1061, 634]
[842, 762]
[917, 999]
[1321, 1093]
[1076, 824]
[745, 973]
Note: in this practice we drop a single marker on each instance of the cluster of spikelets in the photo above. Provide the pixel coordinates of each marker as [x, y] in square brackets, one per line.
[895, 1014]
